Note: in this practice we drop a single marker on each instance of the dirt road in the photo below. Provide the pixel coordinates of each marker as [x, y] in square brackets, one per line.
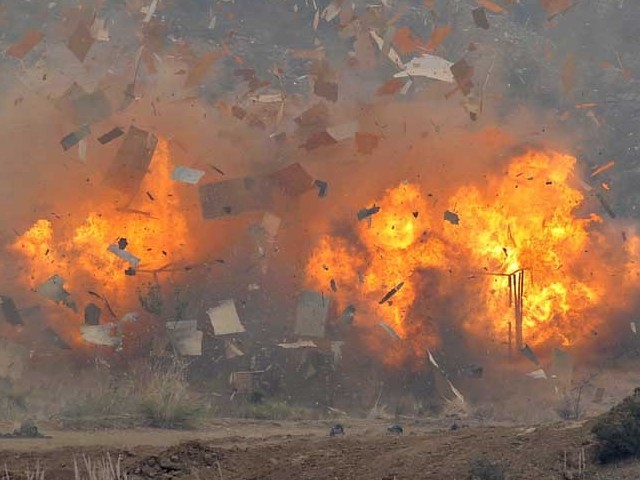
[234, 450]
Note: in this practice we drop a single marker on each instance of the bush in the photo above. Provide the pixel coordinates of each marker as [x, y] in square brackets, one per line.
[484, 469]
[166, 401]
[618, 430]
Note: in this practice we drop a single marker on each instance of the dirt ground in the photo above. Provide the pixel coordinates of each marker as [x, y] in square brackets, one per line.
[234, 450]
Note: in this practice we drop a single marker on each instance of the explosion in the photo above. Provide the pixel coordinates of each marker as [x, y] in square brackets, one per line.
[520, 232]
[153, 227]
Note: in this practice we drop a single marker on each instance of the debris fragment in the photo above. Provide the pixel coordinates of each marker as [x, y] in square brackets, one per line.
[634, 328]
[343, 131]
[391, 293]
[537, 374]
[491, 6]
[9, 311]
[605, 205]
[438, 36]
[569, 74]
[392, 333]
[91, 107]
[299, 344]
[451, 217]
[311, 314]
[185, 337]
[124, 255]
[74, 138]
[233, 197]
[429, 66]
[231, 350]
[316, 115]
[53, 289]
[99, 30]
[556, 7]
[132, 161]
[150, 10]
[348, 315]
[603, 168]
[317, 140]
[367, 212]
[92, 314]
[106, 335]
[224, 319]
[326, 89]
[293, 180]
[337, 429]
[529, 353]
[366, 143]
[80, 41]
[480, 17]
[462, 73]
[187, 175]
[200, 69]
[243, 382]
[322, 187]
[25, 44]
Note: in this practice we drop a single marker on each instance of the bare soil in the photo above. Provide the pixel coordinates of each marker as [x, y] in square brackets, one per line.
[234, 450]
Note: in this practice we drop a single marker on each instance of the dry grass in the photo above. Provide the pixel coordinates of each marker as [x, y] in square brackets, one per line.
[156, 395]
[103, 469]
[36, 474]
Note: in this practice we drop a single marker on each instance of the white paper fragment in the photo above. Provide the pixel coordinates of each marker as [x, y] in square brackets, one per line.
[150, 11]
[224, 319]
[633, 328]
[433, 360]
[186, 337]
[331, 11]
[253, 287]
[455, 391]
[82, 150]
[268, 98]
[343, 131]
[232, 350]
[389, 330]
[124, 255]
[299, 344]
[271, 225]
[405, 88]
[99, 31]
[187, 175]
[316, 20]
[212, 23]
[429, 66]
[537, 374]
[106, 335]
[393, 55]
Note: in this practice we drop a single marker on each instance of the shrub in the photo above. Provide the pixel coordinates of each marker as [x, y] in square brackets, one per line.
[618, 430]
[484, 469]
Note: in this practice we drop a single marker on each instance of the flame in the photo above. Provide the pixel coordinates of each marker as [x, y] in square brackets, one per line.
[156, 232]
[525, 220]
